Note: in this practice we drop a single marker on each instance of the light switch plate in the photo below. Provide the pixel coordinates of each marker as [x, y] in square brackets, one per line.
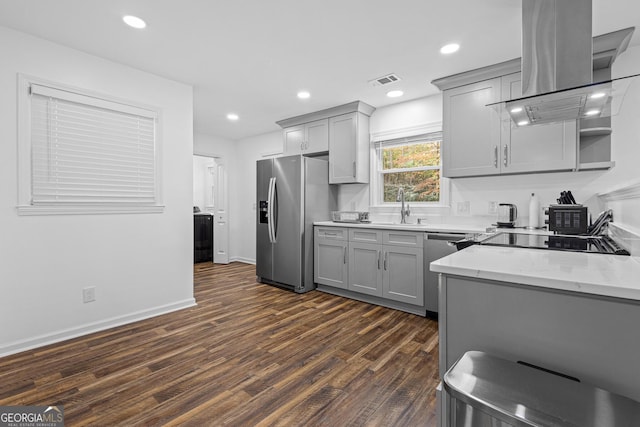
[464, 208]
[493, 208]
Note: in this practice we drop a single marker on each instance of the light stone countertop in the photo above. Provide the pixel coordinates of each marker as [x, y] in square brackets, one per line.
[597, 274]
[432, 228]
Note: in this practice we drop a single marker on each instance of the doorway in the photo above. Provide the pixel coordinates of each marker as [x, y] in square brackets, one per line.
[210, 196]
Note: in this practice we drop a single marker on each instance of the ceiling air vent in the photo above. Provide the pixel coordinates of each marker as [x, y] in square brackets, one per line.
[385, 80]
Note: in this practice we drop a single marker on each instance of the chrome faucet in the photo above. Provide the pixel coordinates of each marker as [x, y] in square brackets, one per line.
[404, 213]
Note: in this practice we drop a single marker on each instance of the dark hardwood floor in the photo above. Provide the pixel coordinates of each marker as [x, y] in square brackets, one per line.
[248, 354]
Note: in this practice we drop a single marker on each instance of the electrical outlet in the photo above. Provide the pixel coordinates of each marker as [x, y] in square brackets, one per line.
[464, 208]
[89, 294]
[493, 208]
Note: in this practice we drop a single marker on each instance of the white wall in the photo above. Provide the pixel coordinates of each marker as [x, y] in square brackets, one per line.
[140, 264]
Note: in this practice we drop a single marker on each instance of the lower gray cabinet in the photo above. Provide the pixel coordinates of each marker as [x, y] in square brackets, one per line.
[402, 278]
[330, 257]
[365, 274]
[386, 264]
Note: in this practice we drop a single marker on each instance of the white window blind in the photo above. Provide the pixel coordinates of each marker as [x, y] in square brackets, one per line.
[90, 151]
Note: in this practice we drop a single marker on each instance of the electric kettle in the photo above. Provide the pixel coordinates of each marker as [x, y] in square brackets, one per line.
[507, 215]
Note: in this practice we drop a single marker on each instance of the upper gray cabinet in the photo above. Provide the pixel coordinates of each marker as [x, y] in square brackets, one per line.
[478, 142]
[308, 138]
[540, 148]
[349, 148]
[471, 131]
[343, 131]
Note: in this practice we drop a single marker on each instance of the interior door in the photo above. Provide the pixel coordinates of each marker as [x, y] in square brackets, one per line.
[221, 221]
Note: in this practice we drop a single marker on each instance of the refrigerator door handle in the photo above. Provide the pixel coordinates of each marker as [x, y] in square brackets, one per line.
[270, 210]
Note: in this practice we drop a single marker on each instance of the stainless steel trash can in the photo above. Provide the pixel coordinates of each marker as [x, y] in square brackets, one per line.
[490, 391]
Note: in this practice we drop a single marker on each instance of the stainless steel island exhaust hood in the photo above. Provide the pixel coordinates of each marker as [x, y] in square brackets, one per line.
[557, 64]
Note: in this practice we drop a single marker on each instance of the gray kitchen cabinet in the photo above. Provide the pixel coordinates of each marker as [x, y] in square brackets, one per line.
[478, 142]
[384, 267]
[365, 261]
[307, 138]
[402, 274]
[540, 148]
[343, 131]
[402, 266]
[365, 272]
[471, 131]
[330, 256]
[349, 148]
[387, 264]
[563, 331]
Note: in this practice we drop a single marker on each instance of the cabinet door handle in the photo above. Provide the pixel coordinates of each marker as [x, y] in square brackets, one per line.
[379, 257]
[506, 154]
[385, 260]
[354, 169]
[495, 156]
[345, 255]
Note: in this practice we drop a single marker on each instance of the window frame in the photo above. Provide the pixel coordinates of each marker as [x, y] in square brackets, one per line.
[377, 181]
[25, 205]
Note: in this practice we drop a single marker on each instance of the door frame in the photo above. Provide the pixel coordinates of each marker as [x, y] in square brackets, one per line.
[220, 237]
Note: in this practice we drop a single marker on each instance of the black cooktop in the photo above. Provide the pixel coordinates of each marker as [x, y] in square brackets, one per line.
[592, 244]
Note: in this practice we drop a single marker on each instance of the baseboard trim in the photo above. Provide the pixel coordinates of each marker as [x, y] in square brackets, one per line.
[244, 260]
[66, 334]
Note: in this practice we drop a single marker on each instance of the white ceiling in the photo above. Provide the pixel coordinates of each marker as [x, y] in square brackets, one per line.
[251, 57]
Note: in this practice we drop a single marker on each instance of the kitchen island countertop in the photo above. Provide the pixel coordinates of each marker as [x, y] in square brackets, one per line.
[598, 274]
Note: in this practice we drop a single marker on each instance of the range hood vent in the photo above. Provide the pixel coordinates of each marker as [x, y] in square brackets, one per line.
[589, 101]
[557, 67]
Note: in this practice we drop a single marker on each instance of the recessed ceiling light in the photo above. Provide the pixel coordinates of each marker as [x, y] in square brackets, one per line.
[449, 48]
[597, 95]
[516, 110]
[303, 94]
[592, 112]
[134, 21]
[233, 117]
[395, 93]
[523, 123]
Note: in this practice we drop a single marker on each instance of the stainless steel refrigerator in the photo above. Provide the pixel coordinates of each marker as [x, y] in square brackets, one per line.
[292, 193]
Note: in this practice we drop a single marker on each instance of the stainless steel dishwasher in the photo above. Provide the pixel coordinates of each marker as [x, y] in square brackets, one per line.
[436, 246]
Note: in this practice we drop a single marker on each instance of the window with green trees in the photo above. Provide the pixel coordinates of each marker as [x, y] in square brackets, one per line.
[413, 164]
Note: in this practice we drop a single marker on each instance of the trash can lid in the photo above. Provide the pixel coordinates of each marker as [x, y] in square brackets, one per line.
[525, 396]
